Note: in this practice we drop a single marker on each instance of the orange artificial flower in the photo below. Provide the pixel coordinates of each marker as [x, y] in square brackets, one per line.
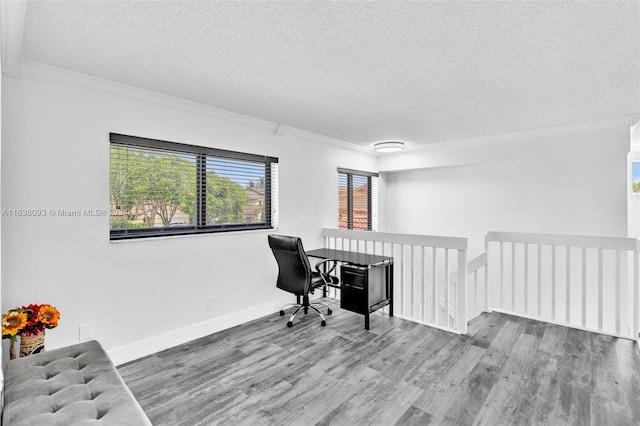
[49, 316]
[13, 322]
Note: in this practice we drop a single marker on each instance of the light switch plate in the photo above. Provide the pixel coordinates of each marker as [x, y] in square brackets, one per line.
[86, 332]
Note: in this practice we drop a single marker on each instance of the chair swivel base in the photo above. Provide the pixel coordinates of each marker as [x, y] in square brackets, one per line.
[299, 307]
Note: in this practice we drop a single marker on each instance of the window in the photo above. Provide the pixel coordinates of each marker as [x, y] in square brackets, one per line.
[160, 188]
[357, 200]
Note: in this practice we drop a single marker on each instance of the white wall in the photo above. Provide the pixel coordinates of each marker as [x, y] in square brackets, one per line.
[1, 352]
[141, 296]
[565, 181]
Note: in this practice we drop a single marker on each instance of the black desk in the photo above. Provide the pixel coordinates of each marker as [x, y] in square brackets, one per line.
[366, 280]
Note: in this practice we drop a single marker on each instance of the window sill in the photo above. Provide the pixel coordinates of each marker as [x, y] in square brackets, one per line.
[191, 235]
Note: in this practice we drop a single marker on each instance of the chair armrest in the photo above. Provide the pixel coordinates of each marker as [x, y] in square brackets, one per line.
[323, 263]
[331, 264]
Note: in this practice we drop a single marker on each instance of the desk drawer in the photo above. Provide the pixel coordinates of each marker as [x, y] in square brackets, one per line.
[353, 300]
[363, 288]
[352, 295]
[353, 277]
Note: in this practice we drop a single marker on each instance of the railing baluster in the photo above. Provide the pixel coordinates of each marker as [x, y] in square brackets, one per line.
[413, 287]
[434, 285]
[539, 280]
[475, 294]
[526, 278]
[486, 285]
[502, 275]
[461, 292]
[568, 283]
[423, 280]
[402, 280]
[553, 282]
[584, 286]
[446, 285]
[513, 277]
[636, 295]
[618, 290]
[600, 289]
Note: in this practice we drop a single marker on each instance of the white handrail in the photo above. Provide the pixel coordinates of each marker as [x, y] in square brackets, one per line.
[455, 243]
[607, 243]
[477, 263]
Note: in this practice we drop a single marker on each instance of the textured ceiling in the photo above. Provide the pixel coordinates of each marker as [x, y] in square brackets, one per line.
[362, 72]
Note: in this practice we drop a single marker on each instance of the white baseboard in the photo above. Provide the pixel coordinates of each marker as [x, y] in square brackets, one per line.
[164, 341]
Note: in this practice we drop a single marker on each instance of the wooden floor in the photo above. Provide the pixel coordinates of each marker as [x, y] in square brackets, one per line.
[506, 371]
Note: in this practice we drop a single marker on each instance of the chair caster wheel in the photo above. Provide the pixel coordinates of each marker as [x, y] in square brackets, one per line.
[323, 323]
[329, 312]
[281, 313]
[289, 324]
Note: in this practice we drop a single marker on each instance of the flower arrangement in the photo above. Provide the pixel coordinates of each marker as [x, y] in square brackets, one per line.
[29, 320]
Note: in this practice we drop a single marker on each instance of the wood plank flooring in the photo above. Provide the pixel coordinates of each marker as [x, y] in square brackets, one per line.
[506, 371]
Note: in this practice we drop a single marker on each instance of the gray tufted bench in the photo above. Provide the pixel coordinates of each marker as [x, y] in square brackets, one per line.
[75, 385]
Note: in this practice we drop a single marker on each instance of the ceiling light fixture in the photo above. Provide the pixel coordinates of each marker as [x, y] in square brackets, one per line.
[390, 146]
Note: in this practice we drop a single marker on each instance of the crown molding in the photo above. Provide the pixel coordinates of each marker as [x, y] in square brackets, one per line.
[528, 134]
[327, 140]
[46, 73]
[12, 32]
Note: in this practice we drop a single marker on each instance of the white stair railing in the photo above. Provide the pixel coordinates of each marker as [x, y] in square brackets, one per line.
[477, 288]
[423, 264]
[585, 282]
[477, 300]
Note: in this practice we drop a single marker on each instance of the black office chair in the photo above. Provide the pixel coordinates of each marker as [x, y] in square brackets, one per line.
[296, 276]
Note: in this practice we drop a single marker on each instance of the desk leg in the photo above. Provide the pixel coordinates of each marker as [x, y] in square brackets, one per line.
[367, 300]
[390, 282]
[324, 288]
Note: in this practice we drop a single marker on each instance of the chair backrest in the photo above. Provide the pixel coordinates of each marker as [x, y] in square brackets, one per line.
[294, 270]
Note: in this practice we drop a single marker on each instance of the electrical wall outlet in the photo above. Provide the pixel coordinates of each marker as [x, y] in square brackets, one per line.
[85, 332]
[210, 304]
